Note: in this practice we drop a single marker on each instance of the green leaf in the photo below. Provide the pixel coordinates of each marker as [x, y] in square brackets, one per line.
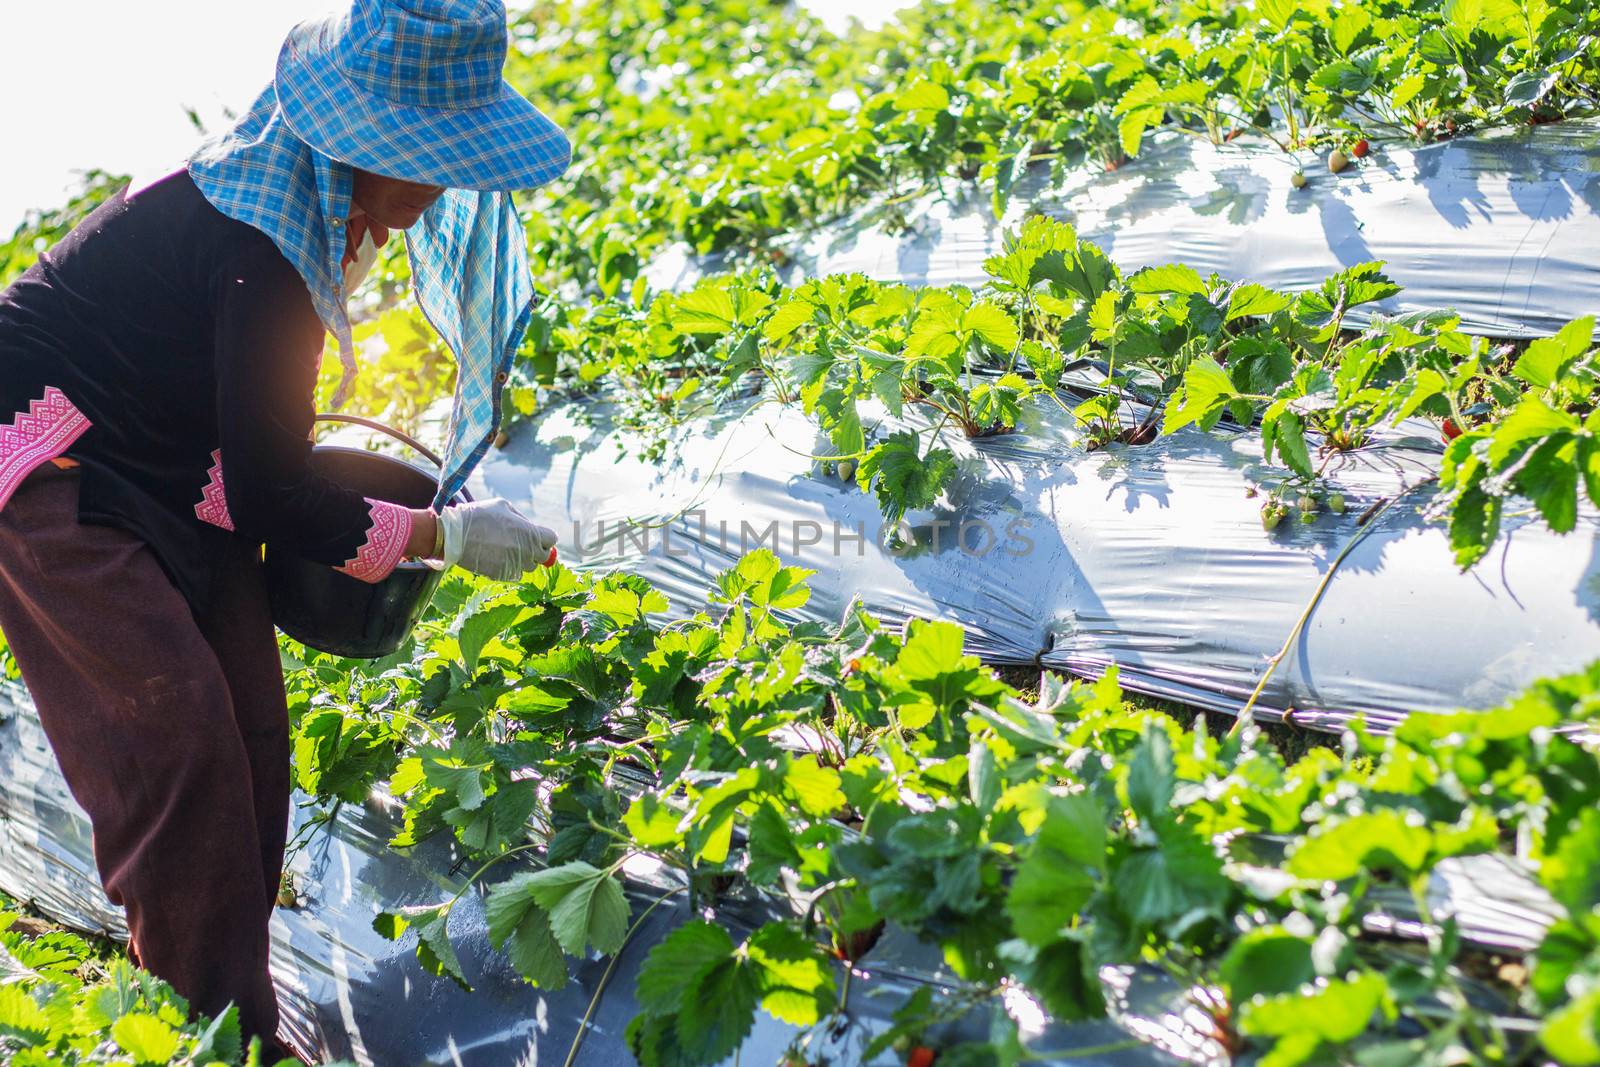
[990, 323]
[936, 333]
[814, 787]
[845, 432]
[902, 478]
[1131, 127]
[1549, 357]
[666, 977]
[1062, 975]
[518, 924]
[1102, 317]
[459, 771]
[1572, 874]
[983, 776]
[1254, 300]
[652, 822]
[886, 378]
[1549, 477]
[772, 846]
[789, 317]
[1180, 880]
[1528, 87]
[1386, 839]
[1409, 88]
[1529, 421]
[1172, 278]
[1463, 17]
[1284, 431]
[810, 366]
[932, 650]
[1276, 13]
[707, 310]
[586, 906]
[391, 926]
[1474, 524]
[146, 1038]
[794, 976]
[719, 1009]
[1347, 26]
[1048, 892]
[1000, 401]
[434, 951]
[1047, 363]
[1152, 777]
[219, 1040]
[1267, 960]
[1570, 1033]
[1206, 387]
[479, 629]
[21, 1017]
[1344, 77]
[1339, 1011]
[922, 96]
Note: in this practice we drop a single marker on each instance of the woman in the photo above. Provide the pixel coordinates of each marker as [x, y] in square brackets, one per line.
[157, 369]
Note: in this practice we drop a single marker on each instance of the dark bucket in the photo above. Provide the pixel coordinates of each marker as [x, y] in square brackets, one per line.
[333, 612]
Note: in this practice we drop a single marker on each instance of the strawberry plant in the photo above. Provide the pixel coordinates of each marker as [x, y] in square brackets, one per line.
[65, 1001]
[870, 778]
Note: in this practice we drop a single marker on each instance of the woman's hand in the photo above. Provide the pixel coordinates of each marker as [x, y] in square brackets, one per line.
[494, 539]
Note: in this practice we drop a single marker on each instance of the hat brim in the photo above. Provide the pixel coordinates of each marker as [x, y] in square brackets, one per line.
[503, 145]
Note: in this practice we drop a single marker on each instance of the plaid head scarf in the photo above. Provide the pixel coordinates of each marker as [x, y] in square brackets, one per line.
[468, 252]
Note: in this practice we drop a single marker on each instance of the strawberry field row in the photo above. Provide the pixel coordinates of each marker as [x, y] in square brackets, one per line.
[871, 778]
[1147, 353]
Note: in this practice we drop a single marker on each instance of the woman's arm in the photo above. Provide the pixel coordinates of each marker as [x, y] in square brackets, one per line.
[424, 543]
[268, 347]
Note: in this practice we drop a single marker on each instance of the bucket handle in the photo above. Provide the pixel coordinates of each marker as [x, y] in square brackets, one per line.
[372, 424]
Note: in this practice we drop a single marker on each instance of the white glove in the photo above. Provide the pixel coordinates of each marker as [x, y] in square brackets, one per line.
[494, 539]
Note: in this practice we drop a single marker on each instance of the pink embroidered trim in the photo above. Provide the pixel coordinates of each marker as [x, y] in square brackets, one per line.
[385, 544]
[213, 506]
[43, 432]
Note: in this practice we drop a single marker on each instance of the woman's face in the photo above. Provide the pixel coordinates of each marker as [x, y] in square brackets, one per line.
[390, 202]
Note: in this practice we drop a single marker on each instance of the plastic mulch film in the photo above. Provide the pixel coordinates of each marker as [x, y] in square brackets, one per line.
[347, 993]
[1500, 226]
[1152, 557]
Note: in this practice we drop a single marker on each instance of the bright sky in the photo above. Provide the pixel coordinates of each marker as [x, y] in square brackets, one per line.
[104, 83]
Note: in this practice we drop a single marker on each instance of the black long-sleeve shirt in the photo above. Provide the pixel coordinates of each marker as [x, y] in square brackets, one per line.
[173, 352]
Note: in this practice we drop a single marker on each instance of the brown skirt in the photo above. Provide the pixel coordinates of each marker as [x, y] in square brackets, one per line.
[172, 733]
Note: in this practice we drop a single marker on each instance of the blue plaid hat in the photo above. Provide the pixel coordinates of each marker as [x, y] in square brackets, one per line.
[469, 256]
[413, 89]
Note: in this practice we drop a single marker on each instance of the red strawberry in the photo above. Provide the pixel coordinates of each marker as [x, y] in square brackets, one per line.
[550, 561]
[1360, 148]
[921, 1056]
[1451, 431]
